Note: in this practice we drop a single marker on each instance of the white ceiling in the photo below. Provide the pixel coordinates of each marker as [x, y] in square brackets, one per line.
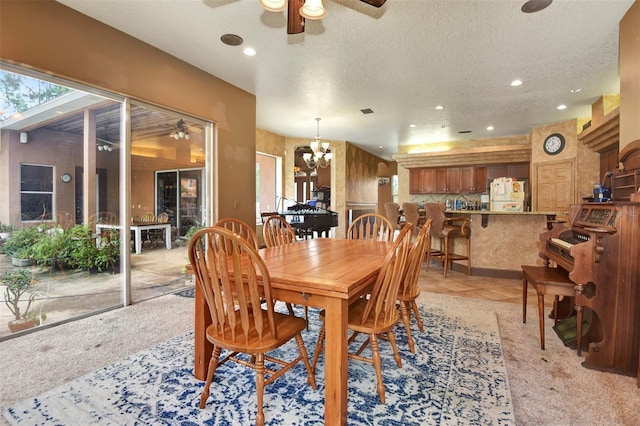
[400, 60]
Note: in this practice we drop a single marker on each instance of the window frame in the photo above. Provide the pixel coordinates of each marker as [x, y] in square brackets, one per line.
[50, 193]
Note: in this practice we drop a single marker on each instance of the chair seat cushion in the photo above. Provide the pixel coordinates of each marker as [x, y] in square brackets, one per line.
[287, 327]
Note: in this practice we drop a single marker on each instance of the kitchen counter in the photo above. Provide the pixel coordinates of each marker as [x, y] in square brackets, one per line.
[551, 216]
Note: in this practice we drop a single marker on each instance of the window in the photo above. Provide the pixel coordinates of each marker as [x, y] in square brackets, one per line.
[36, 192]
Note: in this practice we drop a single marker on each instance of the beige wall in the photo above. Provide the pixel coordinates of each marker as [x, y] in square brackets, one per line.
[50, 37]
[630, 76]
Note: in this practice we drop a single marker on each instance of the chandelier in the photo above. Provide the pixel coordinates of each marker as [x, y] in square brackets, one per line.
[322, 155]
[181, 131]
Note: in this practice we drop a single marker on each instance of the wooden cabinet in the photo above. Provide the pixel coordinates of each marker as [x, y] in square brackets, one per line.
[422, 181]
[473, 180]
[625, 184]
[516, 170]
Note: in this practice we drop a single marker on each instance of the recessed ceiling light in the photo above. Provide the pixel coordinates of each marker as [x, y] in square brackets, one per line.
[439, 107]
[249, 51]
[380, 146]
[412, 125]
[561, 107]
[516, 83]
[576, 90]
[489, 127]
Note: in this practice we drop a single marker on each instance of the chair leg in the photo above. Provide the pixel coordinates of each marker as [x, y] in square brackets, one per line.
[446, 256]
[541, 318]
[405, 313]
[414, 305]
[375, 355]
[524, 299]
[396, 355]
[303, 353]
[468, 256]
[316, 352]
[260, 388]
[213, 364]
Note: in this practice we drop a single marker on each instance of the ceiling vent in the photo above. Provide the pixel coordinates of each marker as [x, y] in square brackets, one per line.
[366, 111]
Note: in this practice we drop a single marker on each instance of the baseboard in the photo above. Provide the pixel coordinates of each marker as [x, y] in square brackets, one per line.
[484, 272]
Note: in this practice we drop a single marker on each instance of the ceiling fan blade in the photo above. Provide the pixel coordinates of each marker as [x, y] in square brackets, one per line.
[375, 3]
[295, 22]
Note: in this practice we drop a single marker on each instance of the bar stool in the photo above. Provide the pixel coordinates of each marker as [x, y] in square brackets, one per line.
[448, 229]
[547, 280]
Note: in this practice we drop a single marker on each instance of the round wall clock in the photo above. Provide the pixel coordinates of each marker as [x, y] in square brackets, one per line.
[66, 178]
[553, 144]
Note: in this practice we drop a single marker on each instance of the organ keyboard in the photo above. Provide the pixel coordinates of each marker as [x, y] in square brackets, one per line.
[601, 250]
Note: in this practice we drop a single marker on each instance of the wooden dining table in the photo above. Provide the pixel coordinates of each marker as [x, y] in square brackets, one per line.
[325, 273]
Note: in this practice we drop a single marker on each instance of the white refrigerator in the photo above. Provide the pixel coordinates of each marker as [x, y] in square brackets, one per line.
[507, 195]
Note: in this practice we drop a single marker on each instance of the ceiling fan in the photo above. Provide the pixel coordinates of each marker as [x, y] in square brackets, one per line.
[299, 10]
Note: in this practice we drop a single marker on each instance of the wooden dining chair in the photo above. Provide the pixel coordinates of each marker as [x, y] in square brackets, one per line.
[377, 314]
[241, 229]
[371, 226]
[409, 288]
[239, 322]
[276, 231]
[159, 234]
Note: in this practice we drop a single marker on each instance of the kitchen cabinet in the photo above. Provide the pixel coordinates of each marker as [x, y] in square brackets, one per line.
[473, 180]
[517, 170]
[422, 181]
[447, 180]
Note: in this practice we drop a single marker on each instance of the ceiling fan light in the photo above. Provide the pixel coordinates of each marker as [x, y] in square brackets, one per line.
[273, 5]
[187, 135]
[99, 147]
[175, 136]
[313, 9]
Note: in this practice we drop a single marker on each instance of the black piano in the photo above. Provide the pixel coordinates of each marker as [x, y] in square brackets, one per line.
[307, 219]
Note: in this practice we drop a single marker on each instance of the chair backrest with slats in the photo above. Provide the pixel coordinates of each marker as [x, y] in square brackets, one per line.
[276, 232]
[163, 217]
[382, 301]
[216, 256]
[371, 226]
[240, 228]
[417, 253]
[147, 217]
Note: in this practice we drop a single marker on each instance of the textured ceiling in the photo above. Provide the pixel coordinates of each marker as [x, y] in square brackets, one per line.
[400, 60]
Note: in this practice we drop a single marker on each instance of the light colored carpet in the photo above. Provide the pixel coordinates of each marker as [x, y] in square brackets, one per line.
[457, 377]
[548, 387]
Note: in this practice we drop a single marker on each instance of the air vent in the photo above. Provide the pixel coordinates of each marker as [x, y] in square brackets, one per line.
[366, 111]
[231, 39]
[464, 131]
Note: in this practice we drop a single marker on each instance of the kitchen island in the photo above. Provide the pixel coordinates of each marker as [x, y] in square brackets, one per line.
[510, 241]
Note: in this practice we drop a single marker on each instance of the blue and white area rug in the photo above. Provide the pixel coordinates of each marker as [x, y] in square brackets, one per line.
[457, 376]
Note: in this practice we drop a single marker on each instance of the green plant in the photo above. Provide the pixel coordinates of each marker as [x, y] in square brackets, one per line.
[36, 318]
[50, 248]
[192, 230]
[20, 242]
[17, 284]
[6, 228]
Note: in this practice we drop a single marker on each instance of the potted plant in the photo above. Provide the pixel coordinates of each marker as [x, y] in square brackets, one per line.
[5, 231]
[17, 285]
[20, 244]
